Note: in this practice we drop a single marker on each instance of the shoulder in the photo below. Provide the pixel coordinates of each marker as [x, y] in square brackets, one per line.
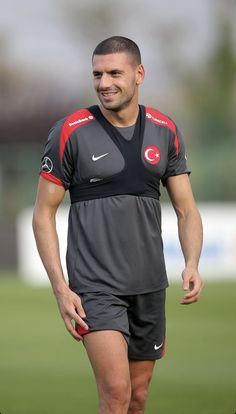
[78, 118]
[158, 118]
[73, 121]
[65, 127]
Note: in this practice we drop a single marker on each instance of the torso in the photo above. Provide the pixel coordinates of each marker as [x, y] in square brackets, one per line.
[114, 238]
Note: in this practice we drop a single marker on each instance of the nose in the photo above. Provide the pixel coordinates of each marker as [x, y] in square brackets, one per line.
[105, 82]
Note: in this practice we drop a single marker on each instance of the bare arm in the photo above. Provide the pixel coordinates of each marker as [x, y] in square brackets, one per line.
[48, 199]
[190, 234]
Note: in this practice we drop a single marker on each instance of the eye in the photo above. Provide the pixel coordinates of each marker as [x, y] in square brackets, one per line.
[115, 74]
[97, 75]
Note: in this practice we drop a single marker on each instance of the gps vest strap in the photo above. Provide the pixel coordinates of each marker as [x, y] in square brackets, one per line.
[134, 179]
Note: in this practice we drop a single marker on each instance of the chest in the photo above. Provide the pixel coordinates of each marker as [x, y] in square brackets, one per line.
[98, 155]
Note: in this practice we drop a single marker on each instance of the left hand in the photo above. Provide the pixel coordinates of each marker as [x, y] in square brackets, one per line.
[193, 283]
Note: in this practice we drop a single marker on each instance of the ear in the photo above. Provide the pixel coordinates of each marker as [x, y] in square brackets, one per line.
[140, 74]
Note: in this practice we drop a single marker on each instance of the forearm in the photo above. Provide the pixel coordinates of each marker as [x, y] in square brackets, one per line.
[190, 236]
[44, 227]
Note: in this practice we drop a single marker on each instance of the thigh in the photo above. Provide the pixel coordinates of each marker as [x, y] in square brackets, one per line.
[141, 374]
[108, 354]
[147, 326]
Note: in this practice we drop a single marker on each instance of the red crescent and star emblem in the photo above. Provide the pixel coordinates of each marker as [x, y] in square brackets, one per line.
[152, 154]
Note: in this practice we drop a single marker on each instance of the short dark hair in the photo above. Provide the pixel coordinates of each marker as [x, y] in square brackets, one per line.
[118, 44]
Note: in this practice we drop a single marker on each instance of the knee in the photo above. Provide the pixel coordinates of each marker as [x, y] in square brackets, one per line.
[117, 392]
[138, 400]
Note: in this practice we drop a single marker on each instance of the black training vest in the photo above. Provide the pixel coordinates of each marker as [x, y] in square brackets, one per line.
[134, 179]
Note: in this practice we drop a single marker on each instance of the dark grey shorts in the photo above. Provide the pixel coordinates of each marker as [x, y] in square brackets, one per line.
[140, 318]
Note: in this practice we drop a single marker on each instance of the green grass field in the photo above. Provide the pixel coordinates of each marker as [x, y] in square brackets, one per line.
[44, 371]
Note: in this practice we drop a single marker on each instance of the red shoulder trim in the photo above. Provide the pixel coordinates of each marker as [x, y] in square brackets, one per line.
[77, 119]
[160, 119]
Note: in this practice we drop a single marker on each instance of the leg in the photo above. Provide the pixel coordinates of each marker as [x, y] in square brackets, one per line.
[147, 343]
[107, 351]
[140, 375]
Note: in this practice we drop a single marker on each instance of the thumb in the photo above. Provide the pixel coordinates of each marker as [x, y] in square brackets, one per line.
[185, 283]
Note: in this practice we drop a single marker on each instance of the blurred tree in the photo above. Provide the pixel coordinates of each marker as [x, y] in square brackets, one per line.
[211, 95]
[212, 92]
[92, 21]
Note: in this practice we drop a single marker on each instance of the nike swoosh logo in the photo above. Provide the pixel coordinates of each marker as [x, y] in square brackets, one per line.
[157, 347]
[100, 156]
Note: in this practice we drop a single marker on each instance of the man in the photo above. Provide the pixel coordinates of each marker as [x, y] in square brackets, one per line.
[111, 158]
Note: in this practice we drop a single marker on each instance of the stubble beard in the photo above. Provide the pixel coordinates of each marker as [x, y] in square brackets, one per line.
[121, 105]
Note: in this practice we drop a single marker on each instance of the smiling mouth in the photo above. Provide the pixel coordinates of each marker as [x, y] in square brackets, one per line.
[105, 94]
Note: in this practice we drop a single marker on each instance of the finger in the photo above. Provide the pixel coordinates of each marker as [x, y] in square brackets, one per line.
[80, 309]
[192, 293]
[186, 284]
[70, 328]
[78, 319]
[191, 300]
[187, 300]
[195, 288]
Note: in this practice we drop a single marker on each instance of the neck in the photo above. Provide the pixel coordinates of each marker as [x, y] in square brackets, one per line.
[124, 118]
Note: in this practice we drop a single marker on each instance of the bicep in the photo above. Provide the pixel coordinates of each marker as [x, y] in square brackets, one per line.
[180, 193]
[49, 196]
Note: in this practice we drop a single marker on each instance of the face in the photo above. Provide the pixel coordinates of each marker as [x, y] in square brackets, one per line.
[116, 80]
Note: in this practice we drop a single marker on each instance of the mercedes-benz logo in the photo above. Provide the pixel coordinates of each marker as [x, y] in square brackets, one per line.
[47, 165]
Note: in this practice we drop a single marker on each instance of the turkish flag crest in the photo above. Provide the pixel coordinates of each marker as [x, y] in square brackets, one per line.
[152, 154]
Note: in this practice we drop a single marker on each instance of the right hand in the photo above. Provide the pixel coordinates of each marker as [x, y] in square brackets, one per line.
[71, 309]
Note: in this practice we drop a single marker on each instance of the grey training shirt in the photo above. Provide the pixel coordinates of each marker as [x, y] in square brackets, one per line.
[113, 175]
